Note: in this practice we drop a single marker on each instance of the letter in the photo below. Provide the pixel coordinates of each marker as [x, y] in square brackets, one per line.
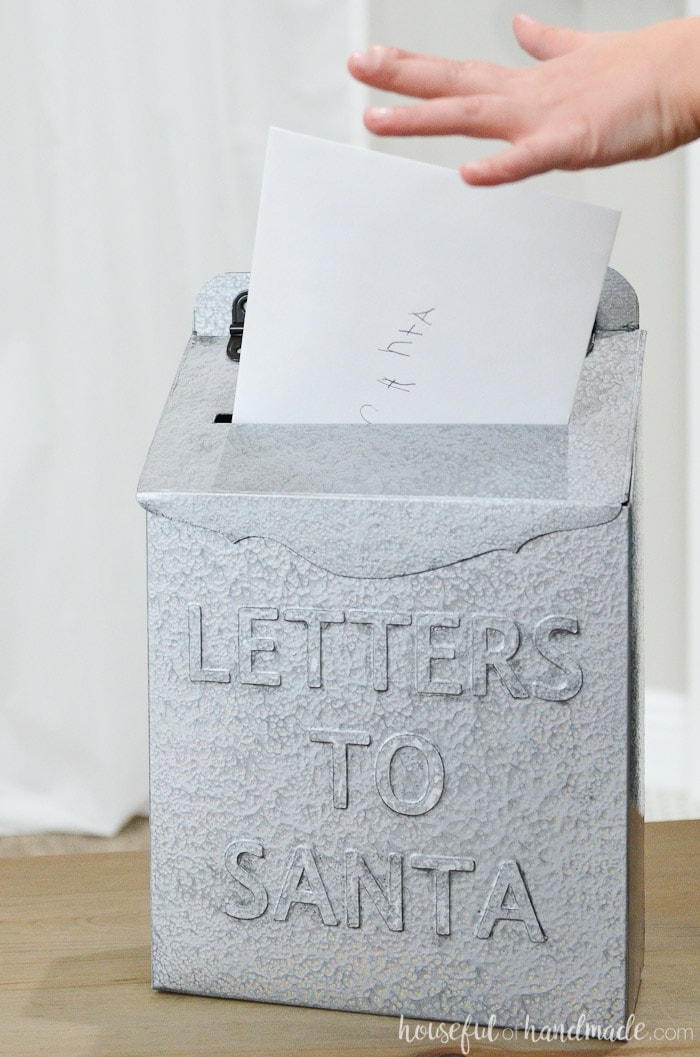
[486, 655]
[404, 1028]
[316, 620]
[303, 867]
[509, 900]
[389, 903]
[256, 905]
[380, 622]
[528, 1029]
[443, 867]
[199, 674]
[546, 647]
[394, 383]
[434, 768]
[339, 741]
[465, 1044]
[423, 316]
[249, 644]
[396, 352]
[412, 330]
[427, 652]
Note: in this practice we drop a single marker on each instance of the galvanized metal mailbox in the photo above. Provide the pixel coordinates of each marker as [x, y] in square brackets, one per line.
[394, 701]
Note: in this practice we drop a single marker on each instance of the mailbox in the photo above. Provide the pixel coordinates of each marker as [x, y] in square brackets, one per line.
[395, 701]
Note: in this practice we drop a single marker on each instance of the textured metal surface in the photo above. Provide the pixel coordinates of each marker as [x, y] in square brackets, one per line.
[212, 310]
[394, 684]
[618, 308]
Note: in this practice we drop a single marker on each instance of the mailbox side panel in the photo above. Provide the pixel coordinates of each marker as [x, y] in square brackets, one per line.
[635, 839]
[406, 795]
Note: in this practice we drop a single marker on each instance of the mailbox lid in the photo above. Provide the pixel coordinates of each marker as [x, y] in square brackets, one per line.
[370, 500]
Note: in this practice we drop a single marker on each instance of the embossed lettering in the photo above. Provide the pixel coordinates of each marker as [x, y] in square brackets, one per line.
[249, 644]
[434, 770]
[427, 651]
[255, 904]
[495, 643]
[379, 622]
[389, 903]
[339, 741]
[303, 884]
[546, 646]
[316, 620]
[490, 658]
[198, 673]
[509, 900]
[443, 866]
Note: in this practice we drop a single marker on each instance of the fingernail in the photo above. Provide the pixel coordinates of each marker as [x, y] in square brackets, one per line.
[371, 59]
[377, 113]
[473, 171]
[525, 18]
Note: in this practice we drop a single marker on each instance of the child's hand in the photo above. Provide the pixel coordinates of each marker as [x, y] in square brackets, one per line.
[594, 99]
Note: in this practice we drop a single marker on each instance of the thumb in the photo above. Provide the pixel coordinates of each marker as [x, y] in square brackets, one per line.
[546, 42]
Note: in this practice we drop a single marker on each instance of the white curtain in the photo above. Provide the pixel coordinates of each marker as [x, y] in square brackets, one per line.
[133, 138]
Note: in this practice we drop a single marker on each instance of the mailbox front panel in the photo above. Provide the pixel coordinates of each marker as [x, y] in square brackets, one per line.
[402, 795]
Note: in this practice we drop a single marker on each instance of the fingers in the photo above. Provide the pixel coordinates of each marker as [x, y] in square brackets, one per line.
[528, 157]
[527, 107]
[546, 42]
[423, 76]
[485, 116]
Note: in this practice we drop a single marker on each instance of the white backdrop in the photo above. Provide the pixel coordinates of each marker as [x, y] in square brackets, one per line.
[133, 140]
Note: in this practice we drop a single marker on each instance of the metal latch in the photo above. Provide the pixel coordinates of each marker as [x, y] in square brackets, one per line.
[233, 349]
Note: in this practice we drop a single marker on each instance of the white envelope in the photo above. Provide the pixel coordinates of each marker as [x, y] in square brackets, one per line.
[385, 290]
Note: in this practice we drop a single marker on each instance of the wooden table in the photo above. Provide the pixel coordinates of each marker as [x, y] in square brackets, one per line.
[74, 973]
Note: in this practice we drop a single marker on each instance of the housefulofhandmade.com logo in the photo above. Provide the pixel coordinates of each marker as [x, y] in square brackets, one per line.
[462, 1034]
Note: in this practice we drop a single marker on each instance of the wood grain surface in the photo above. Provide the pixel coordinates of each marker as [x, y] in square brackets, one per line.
[74, 974]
